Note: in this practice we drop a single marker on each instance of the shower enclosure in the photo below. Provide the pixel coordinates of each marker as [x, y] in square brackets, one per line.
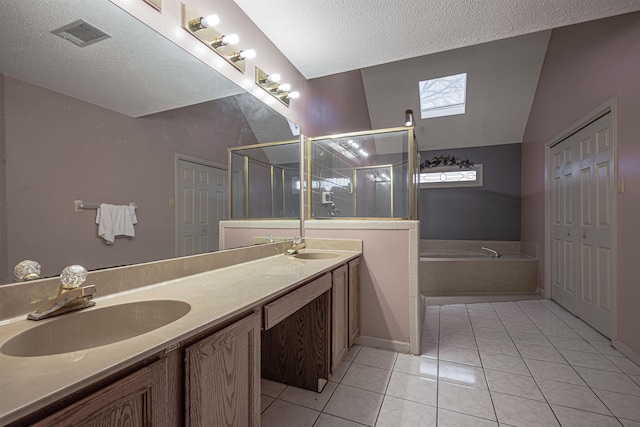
[265, 181]
[370, 174]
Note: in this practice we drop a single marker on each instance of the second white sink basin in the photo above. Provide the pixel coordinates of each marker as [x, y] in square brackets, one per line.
[315, 255]
[82, 330]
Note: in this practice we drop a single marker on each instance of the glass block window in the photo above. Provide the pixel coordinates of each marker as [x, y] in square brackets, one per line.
[444, 96]
[442, 177]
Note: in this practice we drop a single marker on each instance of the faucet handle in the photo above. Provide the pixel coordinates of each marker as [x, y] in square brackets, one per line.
[27, 270]
[73, 276]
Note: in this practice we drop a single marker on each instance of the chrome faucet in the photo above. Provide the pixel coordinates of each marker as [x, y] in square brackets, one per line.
[494, 254]
[297, 244]
[71, 296]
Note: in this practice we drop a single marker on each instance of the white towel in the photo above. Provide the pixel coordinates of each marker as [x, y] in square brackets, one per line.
[115, 221]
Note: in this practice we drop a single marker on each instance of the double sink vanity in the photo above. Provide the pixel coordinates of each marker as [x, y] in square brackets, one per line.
[188, 350]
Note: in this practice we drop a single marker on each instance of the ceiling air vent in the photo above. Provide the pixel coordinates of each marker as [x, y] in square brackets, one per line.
[81, 33]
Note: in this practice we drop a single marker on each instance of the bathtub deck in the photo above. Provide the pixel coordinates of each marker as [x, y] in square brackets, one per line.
[475, 298]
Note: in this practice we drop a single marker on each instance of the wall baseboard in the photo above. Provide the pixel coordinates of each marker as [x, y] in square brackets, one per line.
[399, 346]
[622, 348]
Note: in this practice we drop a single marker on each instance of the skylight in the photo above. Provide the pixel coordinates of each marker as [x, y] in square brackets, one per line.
[444, 96]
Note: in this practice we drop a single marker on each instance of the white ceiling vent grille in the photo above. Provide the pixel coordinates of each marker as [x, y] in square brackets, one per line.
[81, 33]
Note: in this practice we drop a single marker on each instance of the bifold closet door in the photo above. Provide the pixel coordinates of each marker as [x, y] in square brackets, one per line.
[582, 224]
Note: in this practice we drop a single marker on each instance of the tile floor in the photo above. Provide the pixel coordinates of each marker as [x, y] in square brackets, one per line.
[526, 363]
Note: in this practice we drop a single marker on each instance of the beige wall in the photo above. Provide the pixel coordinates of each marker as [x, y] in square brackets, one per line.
[389, 278]
[585, 65]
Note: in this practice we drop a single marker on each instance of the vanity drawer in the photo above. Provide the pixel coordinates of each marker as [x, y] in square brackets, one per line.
[282, 308]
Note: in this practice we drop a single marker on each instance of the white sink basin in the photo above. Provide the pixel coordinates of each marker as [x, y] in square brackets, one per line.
[315, 255]
[82, 330]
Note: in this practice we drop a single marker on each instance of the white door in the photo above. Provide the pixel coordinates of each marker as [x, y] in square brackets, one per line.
[201, 201]
[582, 224]
[563, 250]
[595, 298]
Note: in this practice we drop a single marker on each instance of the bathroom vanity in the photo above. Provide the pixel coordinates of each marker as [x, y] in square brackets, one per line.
[293, 318]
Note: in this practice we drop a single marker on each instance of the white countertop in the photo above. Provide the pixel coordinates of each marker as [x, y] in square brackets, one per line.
[31, 383]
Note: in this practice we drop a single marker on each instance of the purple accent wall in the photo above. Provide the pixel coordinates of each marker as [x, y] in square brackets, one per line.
[62, 149]
[336, 104]
[490, 212]
[585, 65]
[4, 273]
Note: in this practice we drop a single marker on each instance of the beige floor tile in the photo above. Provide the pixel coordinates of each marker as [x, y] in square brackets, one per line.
[455, 419]
[538, 352]
[588, 360]
[457, 340]
[403, 413]
[606, 380]
[285, 414]
[326, 420]
[355, 404]
[467, 356]
[513, 384]
[466, 400]
[383, 359]
[487, 345]
[414, 388]
[572, 396]
[505, 363]
[352, 353]
[422, 366]
[570, 417]
[553, 371]
[367, 377]
[625, 365]
[520, 412]
[339, 374]
[457, 373]
[271, 388]
[265, 401]
[308, 398]
[621, 405]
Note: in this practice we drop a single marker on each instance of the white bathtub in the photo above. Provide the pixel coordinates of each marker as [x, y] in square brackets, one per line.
[455, 272]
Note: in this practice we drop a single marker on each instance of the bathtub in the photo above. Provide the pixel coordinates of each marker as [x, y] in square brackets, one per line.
[457, 272]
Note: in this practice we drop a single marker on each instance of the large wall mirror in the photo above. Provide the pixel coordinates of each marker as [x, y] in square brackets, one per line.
[125, 119]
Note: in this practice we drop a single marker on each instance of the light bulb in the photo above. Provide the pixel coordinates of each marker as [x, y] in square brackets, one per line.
[274, 78]
[284, 87]
[356, 145]
[248, 54]
[209, 21]
[230, 39]
[350, 141]
[294, 95]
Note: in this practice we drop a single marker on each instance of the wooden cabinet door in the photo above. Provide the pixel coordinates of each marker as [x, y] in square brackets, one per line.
[140, 399]
[339, 316]
[223, 377]
[354, 300]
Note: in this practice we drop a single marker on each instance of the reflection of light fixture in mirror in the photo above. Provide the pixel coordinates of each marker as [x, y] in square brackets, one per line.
[225, 40]
[242, 55]
[273, 78]
[271, 84]
[203, 22]
[203, 29]
[408, 118]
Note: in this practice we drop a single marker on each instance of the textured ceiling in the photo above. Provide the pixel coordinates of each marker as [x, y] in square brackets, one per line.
[332, 36]
[135, 72]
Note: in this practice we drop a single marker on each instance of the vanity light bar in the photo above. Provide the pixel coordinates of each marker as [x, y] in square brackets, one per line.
[271, 84]
[202, 28]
